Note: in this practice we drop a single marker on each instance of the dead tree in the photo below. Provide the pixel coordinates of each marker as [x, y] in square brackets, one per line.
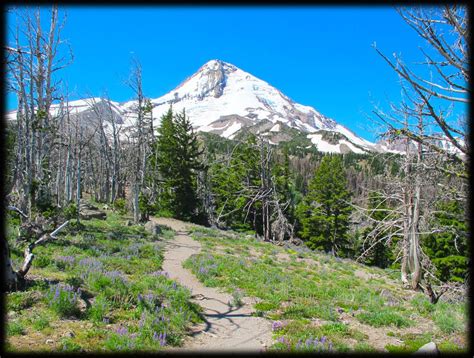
[428, 104]
[31, 73]
[15, 279]
[142, 137]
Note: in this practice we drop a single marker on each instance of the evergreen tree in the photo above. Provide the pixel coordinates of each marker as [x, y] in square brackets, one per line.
[187, 155]
[233, 182]
[176, 156]
[324, 212]
[164, 159]
[448, 249]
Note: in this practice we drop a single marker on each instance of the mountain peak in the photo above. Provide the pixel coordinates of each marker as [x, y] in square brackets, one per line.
[217, 64]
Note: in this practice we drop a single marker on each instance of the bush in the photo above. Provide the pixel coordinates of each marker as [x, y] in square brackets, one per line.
[63, 300]
[42, 261]
[98, 311]
[74, 281]
[70, 211]
[120, 206]
[15, 329]
[40, 323]
[447, 322]
[18, 301]
[383, 317]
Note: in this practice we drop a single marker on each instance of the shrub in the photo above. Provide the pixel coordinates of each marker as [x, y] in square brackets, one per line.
[447, 322]
[42, 261]
[40, 323]
[63, 300]
[18, 301]
[15, 329]
[70, 211]
[383, 317]
[120, 206]
[74, 281]
[67, 344]
[63, 262]
[98, 311]
[422, 305]
[237, 298]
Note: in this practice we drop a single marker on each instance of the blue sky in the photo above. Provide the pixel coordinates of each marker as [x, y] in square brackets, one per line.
[318, 56]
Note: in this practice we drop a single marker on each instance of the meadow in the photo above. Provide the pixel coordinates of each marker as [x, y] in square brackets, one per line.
[99, 288]
[321, 303]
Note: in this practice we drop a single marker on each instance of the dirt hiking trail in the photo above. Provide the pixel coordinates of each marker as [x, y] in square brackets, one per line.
[226, 328]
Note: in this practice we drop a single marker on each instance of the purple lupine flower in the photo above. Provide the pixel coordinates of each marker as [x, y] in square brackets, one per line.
[174, 285]
[203, 270]
[323, 339]
[277, 325]
[160, 273]
[308, 342]
[163, 339]
[56, 294]
[68, 260]
[122, 330]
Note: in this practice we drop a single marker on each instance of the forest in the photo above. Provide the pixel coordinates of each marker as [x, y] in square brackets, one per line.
[407, 213]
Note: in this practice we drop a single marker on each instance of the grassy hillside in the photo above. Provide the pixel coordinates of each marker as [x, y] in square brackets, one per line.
[318, 302]
[99, 290]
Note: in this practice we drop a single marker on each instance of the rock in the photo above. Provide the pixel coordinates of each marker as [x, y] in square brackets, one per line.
[92, 214]
[297, 242]
[428, 348]
[84, 205]
[153, 228]
[49, 341]
[69, 334]
[128, 223]
[391, 300]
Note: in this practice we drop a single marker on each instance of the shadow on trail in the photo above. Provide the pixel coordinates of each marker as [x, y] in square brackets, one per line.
[220, 315]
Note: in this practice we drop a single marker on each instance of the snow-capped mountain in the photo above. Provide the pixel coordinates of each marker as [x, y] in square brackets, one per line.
[223, 99]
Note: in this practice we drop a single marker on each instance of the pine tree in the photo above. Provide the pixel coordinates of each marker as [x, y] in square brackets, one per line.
[188, 163]
[448, 249]
[164, 159]
[233, 183]
[176, 157]
[324, 212]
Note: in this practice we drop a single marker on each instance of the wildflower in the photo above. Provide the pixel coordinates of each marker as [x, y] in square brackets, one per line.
[122, 330]
[277, 325]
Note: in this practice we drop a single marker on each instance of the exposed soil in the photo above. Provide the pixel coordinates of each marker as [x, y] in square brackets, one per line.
[226, 328]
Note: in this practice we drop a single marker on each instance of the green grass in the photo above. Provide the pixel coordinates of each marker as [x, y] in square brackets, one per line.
[15, 329]
[384, 317]
[448, 319]
[298, 293]
[107, 275]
